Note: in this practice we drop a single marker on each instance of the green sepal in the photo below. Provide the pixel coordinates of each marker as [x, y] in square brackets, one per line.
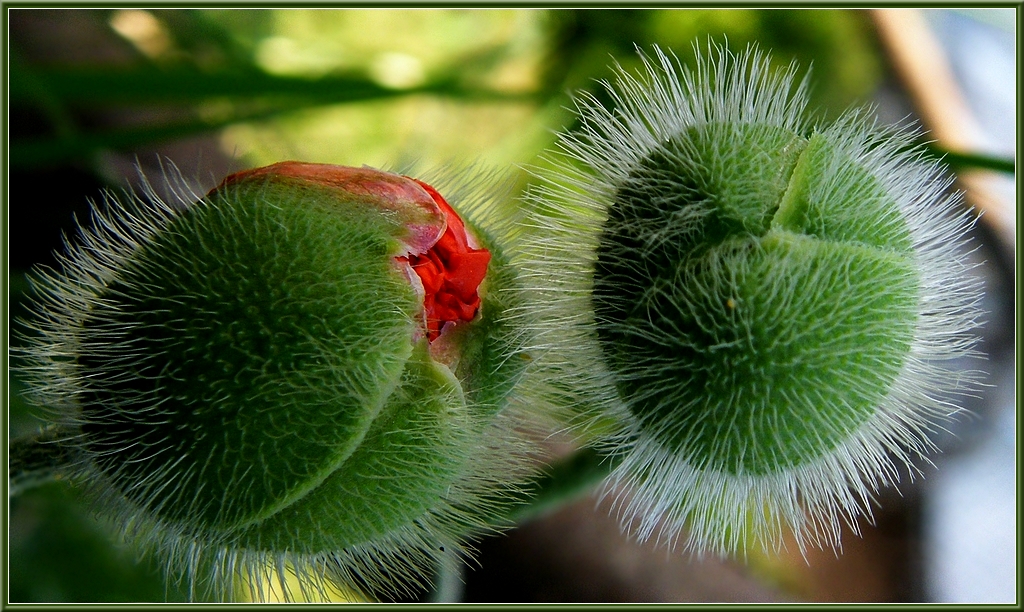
[837, 199]
[257, 338]
[409, 457]
[774, 352]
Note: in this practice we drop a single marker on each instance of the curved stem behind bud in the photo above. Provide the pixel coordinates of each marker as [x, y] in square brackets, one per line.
[37, 459]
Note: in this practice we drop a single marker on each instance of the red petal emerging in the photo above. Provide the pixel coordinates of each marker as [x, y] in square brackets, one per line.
[449, 268]
[401, 196]
[451, 272]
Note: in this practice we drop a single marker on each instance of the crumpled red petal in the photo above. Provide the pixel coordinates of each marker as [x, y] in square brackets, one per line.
[451, 272]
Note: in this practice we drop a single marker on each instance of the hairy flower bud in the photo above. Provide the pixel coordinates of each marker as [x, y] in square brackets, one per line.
[309, 365]
[761, 307]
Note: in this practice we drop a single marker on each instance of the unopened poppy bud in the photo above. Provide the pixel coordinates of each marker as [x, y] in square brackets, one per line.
[308, 365]
[773, 302]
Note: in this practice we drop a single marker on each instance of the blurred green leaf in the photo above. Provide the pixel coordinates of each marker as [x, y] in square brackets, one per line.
[184, 85]
[59, 553]
[189, 85]
[258, 96]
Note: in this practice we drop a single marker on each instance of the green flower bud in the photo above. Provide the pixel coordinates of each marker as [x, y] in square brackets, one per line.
[308, 366]
[764, 309]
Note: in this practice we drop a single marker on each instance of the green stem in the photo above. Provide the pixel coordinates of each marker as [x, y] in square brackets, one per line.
[964, 161]
[564, 481]
[38, 459]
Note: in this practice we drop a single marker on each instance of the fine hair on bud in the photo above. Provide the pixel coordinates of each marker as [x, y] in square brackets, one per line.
[279, 388]
[758, 314]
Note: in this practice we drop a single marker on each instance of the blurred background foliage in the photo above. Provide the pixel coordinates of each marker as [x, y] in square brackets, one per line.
[367, 86]
[93, 92]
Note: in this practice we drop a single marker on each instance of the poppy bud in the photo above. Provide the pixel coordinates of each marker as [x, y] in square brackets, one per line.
[308, 366]
[764, 309]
